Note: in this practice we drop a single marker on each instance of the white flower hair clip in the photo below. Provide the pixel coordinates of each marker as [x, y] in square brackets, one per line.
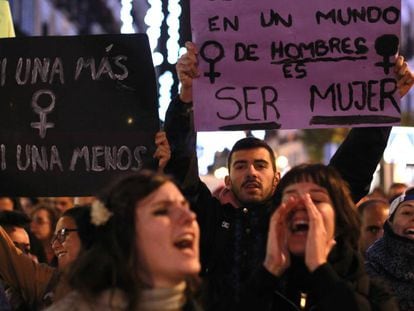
[99, 213]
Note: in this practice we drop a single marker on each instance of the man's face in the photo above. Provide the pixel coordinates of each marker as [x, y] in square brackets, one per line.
[20, 238]
[6, 204]
[252, 178]
[372, 220]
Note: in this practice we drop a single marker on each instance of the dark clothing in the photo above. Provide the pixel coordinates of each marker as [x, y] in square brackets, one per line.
[391, 259]
[29, 280]
[233, 238]
[340, 284]
[4, 303]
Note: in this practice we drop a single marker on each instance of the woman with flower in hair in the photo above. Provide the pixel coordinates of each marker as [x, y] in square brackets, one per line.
[146, 251]
[391, 258]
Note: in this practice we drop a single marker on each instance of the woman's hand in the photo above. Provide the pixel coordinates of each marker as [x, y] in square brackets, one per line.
[187, 70]
[163, 152]
[318, 243]
[277, 258]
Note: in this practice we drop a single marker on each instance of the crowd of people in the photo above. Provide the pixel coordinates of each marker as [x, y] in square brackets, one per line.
[313, 239]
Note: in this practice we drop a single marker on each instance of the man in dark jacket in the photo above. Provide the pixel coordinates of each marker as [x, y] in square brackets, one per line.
[234, 228]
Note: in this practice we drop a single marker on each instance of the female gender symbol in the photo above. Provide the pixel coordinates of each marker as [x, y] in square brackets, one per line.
[212, 74]
[386, 46]
[42, 125]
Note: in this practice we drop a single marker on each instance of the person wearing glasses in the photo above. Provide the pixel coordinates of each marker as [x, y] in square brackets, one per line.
[38, 283]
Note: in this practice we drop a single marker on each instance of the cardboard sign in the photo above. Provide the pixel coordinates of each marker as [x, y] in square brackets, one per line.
[295, 64]
[75, 112]
[6, 21]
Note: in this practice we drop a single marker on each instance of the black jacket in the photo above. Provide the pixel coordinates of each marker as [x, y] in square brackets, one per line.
[340, 284]
[233, 240]
[391, 259]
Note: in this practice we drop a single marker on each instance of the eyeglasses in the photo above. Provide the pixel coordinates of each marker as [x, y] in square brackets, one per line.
[61, 235]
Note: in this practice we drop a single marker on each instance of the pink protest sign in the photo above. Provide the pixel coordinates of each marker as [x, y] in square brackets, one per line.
[295, 64]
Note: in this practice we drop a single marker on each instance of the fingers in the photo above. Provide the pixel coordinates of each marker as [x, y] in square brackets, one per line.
[318, 243]
[187, 65]
[331, 244]
[161, 138]
[280, 214]
[405, 77]
[277, 256]
[278, 222]
[398, 63]
[315, 217]
[187, 70]
[191, 47]
[163, 151]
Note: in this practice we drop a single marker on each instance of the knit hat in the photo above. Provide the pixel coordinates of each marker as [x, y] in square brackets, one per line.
[406, 196]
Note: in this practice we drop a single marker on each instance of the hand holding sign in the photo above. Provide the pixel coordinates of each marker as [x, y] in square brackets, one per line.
[405, 76]
[163, 152]
[187, 70]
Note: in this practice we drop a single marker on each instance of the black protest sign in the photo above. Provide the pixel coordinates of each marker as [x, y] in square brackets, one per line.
[75, 112]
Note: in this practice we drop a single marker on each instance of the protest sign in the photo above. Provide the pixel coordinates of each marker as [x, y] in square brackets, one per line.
[75, 112]
[295, 64]
[6, 21]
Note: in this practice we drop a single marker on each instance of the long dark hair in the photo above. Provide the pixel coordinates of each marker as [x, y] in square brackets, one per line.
[112, 260]
[347, 223]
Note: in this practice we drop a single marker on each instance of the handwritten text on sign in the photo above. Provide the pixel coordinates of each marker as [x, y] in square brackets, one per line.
[75, 112]
[295, 64]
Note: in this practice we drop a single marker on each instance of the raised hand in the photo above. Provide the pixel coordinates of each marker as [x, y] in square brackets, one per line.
[163, 151]
[318, 243]
[187, 70]
[404, 75]
[277, 258]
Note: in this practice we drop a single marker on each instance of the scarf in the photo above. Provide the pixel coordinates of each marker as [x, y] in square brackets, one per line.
[392, 259]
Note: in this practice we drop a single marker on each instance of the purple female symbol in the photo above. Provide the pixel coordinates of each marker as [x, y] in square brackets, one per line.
[218, 49]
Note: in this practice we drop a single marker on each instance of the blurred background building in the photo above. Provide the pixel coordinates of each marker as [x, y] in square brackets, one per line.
[167, 24]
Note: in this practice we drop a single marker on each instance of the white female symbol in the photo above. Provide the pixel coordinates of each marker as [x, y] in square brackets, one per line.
[42, 125]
